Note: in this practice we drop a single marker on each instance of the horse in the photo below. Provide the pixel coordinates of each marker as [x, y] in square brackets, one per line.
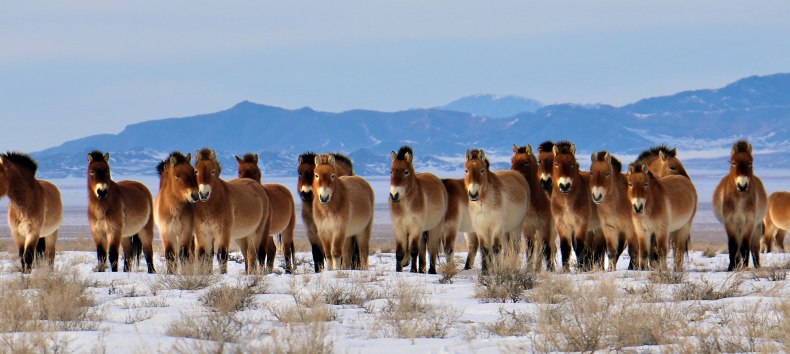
[306, 171]
[740, 203]
[777, 220]
[35, 209]
[609, 192]
[498, 205]
[282, 215]
[662, 161]
[236, 210]
[539, 226]
[120, 213]
[174, 212]
[663, 208]
[418, 202]
[457, 219]
[343, 214]
[573, 210]
[546, 165]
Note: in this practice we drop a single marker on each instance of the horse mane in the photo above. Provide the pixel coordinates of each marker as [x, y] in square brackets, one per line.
[475, 154]
[636, 167]
[741, 146]
[22, 160]
[546, 146]
[96, 155]
[563, 147]
[343, 159]
[309, 157]
[617, 166]
[522, 149]
[160, 167]
[402, 152]
[249, 157]
[652, 152]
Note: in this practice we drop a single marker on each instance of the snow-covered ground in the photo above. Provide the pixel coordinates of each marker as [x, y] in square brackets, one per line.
[381, 311]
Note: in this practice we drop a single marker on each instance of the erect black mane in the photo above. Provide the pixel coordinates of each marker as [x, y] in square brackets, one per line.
[160, 167]
[22, 160]
[546, 146]
[741, 146]
[97, 155]
[402, 152]
[308, 157]
[653, 152]
[343, 159]
[522, 149]
[563, 147]
[249, 157]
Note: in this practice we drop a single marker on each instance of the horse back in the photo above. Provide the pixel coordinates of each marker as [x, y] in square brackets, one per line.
[457, 202]
[779, 209]
[281, 209]
[513, 186]
[137, 205]
[53, 207]
[681, 197]
[360, 203]
[248, 201]
[435, 197]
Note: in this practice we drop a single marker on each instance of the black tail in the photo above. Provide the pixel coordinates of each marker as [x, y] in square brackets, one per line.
[355, 263]
[41, 246]
[137, 249]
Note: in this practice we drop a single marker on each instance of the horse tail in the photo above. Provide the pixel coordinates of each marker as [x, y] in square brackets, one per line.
[41, 246]
[137, 248]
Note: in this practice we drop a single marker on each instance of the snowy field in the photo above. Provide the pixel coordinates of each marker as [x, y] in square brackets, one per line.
[75, 309]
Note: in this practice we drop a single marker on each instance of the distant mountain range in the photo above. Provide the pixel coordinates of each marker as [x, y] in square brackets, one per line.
[702, 123]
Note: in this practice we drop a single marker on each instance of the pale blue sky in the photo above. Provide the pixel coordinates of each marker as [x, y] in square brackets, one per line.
[71, 68]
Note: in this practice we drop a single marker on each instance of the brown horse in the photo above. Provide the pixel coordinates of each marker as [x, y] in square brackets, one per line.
[740, 203]
[609, 192]
[498, 205]
[343, 214]
[663, 208]
[457, 219]
[120, 213]
[777, 220]
[662, 161]
[282, 215]
[34, 209]
[539, 226]
[236, 210]
[572, 208]
[546, 165]
[174, 212]
[418, 202]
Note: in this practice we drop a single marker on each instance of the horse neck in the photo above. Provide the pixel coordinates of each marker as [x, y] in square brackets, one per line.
[657, 192]
[338, 193]
[493, 185]
[219, 188]
[23, 188]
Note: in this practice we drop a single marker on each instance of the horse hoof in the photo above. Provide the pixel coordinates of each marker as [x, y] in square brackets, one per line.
[432, 271]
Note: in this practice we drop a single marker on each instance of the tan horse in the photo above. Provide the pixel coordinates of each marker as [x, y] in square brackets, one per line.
[34, 209]
[573, 210]
[609, 192]
[344, 212]
[120, 213]
[740, 203]
[662, 161]
[174, 212]
[306, 171]
[539, 229]
[663, 208]
[498, 205]
[418, 202]
[237, 210]
[546, 165]
[282, 215]
[457, 219]
[777, 220]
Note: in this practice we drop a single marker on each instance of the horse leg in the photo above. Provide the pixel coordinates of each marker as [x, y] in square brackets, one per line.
[147, 239]
[100, 239]
[769, 234]
[613, 248]
[288, 245]
[363, 245]
[565, 248]
[485, 257]
[222, 249]
[170, 253]
[780, 239]
[338, 255]
[472, 244]
[548, 244]
[434, 239]
[414, 249]
[349, 249]
[449, 243]
[271, 250]
[115, 243]
[583, 256]
[681, 237]
[400, 254]
[662, 247]
[316, 245]
[29, 252]
[423, 242]
[49, 248]
[755, 245]
[128, 253]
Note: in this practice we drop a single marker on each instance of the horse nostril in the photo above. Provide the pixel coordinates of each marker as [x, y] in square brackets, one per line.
[395, 197]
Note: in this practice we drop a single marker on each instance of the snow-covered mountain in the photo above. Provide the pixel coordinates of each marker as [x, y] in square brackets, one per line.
[494, 106]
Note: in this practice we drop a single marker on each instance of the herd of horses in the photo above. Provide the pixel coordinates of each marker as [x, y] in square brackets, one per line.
[597, 214]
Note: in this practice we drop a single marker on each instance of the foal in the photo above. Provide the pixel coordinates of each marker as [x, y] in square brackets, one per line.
[740, 203]
[539, 226]
[34, 209]
[609, 192]
[418, 202]
[120, 213]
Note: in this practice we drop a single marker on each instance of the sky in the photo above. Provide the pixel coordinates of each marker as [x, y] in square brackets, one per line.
[69, 69]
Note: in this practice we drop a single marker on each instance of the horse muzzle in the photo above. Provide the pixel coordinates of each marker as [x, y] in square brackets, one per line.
[565, 188]
[639, 208]
[101, 194]
[204, 196]
[395, 197]
[193, 197]
[324, 200]
[474, 196]
[597, 198]
[742, 187]
[546, 184]
[306, 196]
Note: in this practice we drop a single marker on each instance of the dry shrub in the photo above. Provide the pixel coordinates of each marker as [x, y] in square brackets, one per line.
[298, 314]
[709, 252]
[184, 281]
[511, 323]
[448, 270]
[217, 329]
[637, 324]
[311, 338]
[407, 313]
[667, 276]
[785, 327]
[551, 288]
[228, 298]
[37, 342]
[506, 279]
[770, 273]
[705, 289]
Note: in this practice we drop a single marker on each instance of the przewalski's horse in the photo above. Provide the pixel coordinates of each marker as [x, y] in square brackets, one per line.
[418, 202]
[663, 208]
[662, 161]
[572, 208]
[609, 192]
[120, 214]
[306, 168]
[546, 165]
[539, 226]
[457, 219]
[777, 220]
[236, 210]
[498, 205]
[174, 211]
[740, 203]
[34, 209]
[342, 212]
[282, 215]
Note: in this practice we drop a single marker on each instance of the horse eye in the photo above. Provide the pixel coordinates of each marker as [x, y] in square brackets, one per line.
[645, 184]
[92, 172]
[630, 185]
[333, 176]
[316, 175]
[672, 168]
[213, 173]
[483, 171]
[607, 174]
[406, 173]
[466, 171]
[178, 176]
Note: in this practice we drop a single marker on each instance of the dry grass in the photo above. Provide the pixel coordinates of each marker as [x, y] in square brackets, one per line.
[770, 273]
[705, 289]
[193, 276]
[313, 338]
[511, 323]
[667, 276]
[448, 270]
[217, 329]
[407, 313]
[506, 280]
[228, 298]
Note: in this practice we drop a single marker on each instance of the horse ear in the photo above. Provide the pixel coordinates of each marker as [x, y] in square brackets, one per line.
[608, 157]
[213, 155]
[172, 161]
[107, 157]
[394, 156]
[188, 157]
[674, 151]
[408, 157]
[573, 149]
[631, 168]
[90, 158]
[256, 158]
[529, 149]
[644, 168]
[332, 160]
[515, 149]
[592, 158]
[482, 154]
[662, 155]
[468, 155]
[749, 148]
[301, 160]
[238, 159]
[317, 160]
[555, 150]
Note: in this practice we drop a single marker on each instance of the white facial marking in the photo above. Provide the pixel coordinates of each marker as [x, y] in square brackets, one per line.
[100, 187]
[204, 189]
[598, 192]
[397, 191]
[742, 180]
[324, 192]
[306, 189]
[473, 188]
[564, 181]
